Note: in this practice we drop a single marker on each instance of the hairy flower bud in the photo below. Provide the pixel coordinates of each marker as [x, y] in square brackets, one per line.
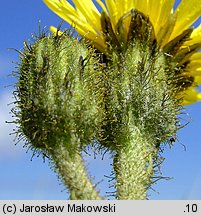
[56, 91]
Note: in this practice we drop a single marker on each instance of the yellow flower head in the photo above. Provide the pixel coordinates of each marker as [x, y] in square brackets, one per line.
[122, 20]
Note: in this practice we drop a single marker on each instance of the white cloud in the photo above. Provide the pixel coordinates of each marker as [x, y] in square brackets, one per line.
[7, 144]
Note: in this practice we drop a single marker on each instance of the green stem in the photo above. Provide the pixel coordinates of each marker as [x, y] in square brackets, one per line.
[133, 165]
[73, 173]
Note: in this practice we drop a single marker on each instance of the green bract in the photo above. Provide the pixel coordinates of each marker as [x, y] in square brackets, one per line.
[57, 89]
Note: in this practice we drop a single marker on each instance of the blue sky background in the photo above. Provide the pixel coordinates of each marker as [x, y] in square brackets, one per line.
[21, 178]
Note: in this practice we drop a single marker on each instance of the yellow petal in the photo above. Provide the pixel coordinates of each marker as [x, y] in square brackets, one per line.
[112, 11]
[63, 9]
[124, 7]
[186, 14]
[160, 13]
[120, 8]
[58, 7]
[128, 5]
[195, 37]
[89, 12]
[102, 5]
[196, 56]
[194, 70]
[190, 96]
[142, 5]
[197, 80]
[55, 31]
[194, 65]
[67, 12]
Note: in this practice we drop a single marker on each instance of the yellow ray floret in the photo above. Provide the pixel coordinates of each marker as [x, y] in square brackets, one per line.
[186, 14]
[190, 96]
[170, 26]
[86, 18]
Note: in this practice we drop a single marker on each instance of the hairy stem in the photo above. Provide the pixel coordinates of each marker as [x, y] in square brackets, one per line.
[133, 165]
[73, 173]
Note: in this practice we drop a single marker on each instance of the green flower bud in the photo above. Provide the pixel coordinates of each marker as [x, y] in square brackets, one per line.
[140, 89]
[71, 95]
[57, 93]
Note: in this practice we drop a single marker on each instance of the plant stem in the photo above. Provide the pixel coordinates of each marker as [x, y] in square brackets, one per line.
[133, 165]
[73, 173]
